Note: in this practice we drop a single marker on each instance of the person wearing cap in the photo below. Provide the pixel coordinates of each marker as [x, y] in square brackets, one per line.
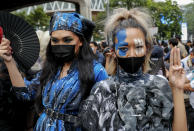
[69, 72]
[156, 61]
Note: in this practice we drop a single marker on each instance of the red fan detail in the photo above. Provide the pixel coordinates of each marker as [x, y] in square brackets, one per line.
[1, 33]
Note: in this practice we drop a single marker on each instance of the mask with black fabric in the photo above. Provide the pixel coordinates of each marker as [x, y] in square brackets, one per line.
[63, 53]
[131, 64]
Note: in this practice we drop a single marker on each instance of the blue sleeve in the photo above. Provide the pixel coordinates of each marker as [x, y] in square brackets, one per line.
[28, 93]
[100, 72]
[101, 58]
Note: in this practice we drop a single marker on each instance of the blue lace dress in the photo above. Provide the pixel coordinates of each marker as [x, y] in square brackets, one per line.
[62, 95]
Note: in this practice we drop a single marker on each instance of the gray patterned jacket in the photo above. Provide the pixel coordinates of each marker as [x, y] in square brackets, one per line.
[129, 102]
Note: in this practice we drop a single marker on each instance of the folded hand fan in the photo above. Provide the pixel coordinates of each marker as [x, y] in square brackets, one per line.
[24, 41]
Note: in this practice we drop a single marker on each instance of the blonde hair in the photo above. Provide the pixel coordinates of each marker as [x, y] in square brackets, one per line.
[44, 39]
[134, 18]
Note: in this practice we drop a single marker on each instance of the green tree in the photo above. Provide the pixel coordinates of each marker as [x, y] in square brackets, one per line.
[99, 21]
[21, 14]
[167, 17]
[189, 17]
[37, 18]
[100, 18]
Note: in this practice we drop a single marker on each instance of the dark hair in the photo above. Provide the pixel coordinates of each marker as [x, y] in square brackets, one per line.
[106, 50]
[93, 42]
[104, 44]
[173, 41]
[178, 37]
[188, 41]
[164, 44]
[84, 64]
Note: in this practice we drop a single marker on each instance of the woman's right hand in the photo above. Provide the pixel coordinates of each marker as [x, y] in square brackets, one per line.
[5, 50]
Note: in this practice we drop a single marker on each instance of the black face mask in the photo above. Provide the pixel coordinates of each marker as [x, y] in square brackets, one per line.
[63, 53]
[131, 64]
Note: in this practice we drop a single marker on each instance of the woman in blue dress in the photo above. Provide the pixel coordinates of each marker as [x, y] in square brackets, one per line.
[68, 74]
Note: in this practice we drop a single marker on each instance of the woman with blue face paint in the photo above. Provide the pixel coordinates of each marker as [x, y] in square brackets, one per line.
[68, 74]
[133, 100]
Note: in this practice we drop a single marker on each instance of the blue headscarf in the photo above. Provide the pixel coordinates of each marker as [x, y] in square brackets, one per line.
[72, 22]
[66, 21]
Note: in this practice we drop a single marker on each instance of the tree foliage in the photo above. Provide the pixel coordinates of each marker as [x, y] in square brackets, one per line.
[99, 21]
[189, 17]
[37, 18]
[167, 16]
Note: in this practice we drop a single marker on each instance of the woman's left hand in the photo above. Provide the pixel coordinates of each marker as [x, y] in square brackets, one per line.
[176, 72]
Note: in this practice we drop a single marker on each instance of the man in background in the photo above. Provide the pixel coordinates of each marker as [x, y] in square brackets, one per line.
[182, 47]
[100, 56]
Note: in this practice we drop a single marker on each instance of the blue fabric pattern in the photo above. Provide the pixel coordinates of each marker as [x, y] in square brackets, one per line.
[101, 58]
[62, 95]
[66, 21]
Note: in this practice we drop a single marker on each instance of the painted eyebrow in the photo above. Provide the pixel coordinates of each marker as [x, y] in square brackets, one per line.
[122, 44]
[54, 38]
[66, 37]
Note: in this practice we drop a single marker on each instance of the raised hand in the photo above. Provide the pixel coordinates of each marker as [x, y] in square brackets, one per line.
[5, 50]
[176, 72]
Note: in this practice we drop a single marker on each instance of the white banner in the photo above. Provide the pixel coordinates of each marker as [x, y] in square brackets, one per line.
[184, 32]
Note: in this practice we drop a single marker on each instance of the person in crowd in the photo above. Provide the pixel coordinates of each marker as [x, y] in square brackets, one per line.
[165, 47]
[188, 65]
[155, 41]
[103, 45]
[172, 43]
[68, 74]
[109, 61]
[133, 100]
[14, 114]
[100, 56]
[188, 46]
[44, 39]
[181, 46]
[156, 62]
[188, 62]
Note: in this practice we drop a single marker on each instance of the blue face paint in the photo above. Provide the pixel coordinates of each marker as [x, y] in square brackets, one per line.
[192, 60]
[121, 36]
